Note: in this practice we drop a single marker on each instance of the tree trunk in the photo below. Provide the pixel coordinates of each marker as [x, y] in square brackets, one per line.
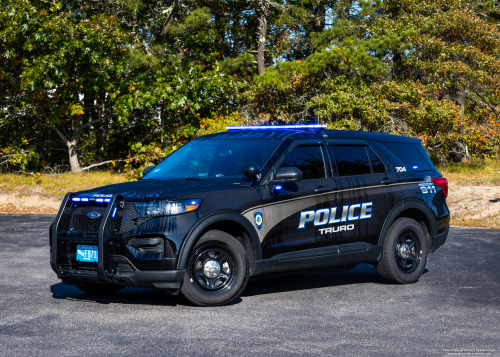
[73, 157]
[72, 145]
[264, 9]
[102, 126]
[170, 18]
[319, 16]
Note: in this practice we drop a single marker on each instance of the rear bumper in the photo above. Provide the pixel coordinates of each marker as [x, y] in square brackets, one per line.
[439, 239]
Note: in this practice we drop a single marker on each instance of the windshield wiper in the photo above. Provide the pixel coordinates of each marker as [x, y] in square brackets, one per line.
[196, 179]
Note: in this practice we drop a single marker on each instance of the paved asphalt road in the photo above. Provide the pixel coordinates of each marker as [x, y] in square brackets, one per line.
[453, 310]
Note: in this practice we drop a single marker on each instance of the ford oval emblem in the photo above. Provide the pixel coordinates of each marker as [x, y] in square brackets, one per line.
[93, 215]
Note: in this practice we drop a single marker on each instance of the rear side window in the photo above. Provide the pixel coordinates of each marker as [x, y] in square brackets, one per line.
[354, 160]
[412, 155]
[377, 165]
[351, 160]
[307, 159]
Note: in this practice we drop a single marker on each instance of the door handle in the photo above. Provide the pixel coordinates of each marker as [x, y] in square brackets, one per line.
[322, 189]
[387, 182]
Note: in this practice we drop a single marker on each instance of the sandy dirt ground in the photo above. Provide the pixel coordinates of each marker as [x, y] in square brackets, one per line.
[474, 206]
[28, 203]
[470, 206]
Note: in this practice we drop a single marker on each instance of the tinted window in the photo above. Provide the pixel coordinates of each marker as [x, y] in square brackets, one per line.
[307, 159]
[377, 165]
[410, 155]
[351, 160]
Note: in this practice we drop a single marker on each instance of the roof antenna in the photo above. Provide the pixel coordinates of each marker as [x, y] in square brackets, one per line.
[319, 108]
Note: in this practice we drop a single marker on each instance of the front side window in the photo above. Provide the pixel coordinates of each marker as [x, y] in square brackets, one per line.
[307, 159]
[216, 160]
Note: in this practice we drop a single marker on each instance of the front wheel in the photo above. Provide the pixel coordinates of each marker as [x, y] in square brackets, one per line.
[217, 270]
[405, 252]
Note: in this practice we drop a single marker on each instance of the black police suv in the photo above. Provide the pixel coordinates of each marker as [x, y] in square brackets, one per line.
[253, 201]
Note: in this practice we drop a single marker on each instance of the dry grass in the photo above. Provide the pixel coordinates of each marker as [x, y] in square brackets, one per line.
[28, 194]
[474, 173]
[56, 186]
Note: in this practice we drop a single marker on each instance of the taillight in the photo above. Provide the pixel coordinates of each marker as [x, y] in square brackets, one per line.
[443, 183]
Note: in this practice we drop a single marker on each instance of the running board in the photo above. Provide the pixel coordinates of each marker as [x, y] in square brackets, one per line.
[320, 257]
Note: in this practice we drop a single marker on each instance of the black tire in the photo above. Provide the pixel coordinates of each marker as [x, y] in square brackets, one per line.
[217, 270]
[405, 252]
[99, 289]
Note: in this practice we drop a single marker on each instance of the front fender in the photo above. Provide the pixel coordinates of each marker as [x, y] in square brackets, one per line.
[195, 232]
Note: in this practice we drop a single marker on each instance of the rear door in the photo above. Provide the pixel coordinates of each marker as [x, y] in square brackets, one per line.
[362, 195]
[291, 209]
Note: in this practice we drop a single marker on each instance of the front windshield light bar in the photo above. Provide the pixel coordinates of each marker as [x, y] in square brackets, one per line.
[274, 127]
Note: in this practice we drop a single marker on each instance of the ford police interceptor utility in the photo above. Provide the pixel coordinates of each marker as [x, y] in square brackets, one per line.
[253, 201]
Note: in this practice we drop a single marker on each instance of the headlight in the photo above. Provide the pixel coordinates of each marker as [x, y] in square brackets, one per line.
[166, 208]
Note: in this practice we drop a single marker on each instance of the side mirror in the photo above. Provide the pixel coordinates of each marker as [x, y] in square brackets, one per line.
[251, 170]
[147, 170]
[286, 174]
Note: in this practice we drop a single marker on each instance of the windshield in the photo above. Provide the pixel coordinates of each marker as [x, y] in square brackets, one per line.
[218, 160]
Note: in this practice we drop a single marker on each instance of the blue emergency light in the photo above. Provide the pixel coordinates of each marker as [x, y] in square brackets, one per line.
[274, 127]
[85, 199]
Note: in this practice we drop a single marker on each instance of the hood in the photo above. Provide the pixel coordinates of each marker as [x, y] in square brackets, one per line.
[155, 190]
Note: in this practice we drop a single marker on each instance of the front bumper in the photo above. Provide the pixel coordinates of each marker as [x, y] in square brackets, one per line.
[439, 239]
[112, 267]
[156, 279]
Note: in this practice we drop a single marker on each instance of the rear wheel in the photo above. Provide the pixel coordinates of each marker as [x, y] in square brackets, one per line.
[405, 252]
[99, 289]
[217, 270]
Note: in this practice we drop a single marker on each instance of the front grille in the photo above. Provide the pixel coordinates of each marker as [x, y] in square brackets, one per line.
[64, 222]
[81, 222]
[128, 219]
[76, 219]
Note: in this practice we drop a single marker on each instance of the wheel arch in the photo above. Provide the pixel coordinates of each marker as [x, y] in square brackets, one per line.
[414, 209]
[229, 222]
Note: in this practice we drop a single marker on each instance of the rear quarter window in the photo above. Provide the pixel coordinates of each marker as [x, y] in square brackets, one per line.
[413, 156]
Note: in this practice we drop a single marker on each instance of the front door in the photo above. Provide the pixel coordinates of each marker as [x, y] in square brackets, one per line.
[295, 211]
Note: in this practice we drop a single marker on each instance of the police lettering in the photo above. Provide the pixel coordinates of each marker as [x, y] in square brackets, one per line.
[330, 215]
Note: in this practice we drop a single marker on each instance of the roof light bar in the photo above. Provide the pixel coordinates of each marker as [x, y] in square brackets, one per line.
[274, 127]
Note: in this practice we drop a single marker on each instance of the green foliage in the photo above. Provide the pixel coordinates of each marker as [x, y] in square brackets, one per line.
[136, 79]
